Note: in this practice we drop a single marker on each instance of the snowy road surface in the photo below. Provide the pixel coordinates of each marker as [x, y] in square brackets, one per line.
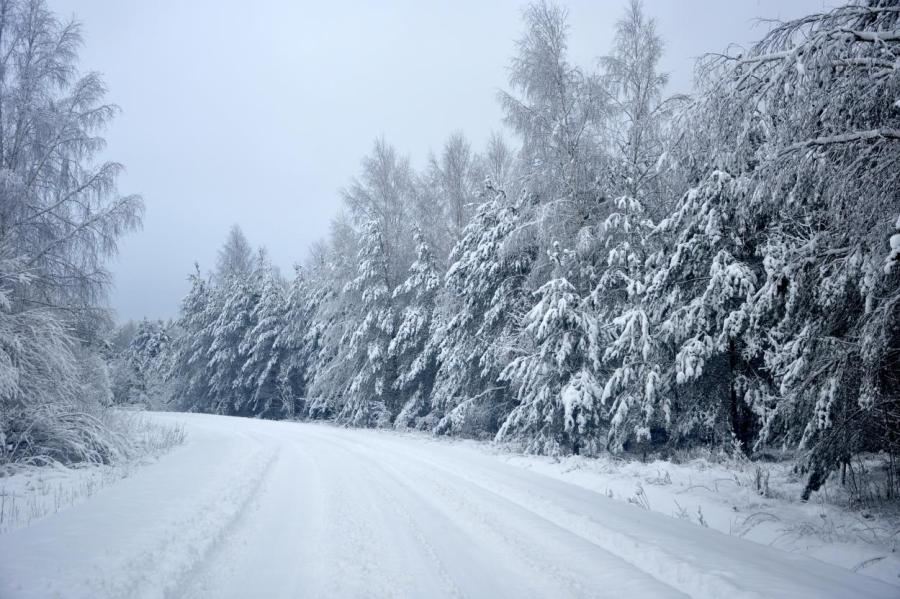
[250, 508]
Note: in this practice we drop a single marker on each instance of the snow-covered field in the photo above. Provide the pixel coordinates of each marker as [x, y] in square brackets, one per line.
[251, 508]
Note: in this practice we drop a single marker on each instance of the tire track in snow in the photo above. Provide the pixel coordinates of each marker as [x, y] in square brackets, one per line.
[507, 495]
[398, 507]
[192, 540]
[699, 571]
[235, 508]
[436, 533]
[556, 560]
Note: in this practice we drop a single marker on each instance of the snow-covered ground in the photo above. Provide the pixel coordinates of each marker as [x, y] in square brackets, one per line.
[754, 501]
[29, 492]
[34, 492]
[250, 508]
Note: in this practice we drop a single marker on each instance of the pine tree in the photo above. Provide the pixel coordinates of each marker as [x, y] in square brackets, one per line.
[335, 307]
[810, 129]
[297, 344]
[486, 284]
[189, 370]
[259, 372]
[370, 398]
[557, 392]
[628, 348]
[415, 358]
[225, 356]
[629, 345]
[695, 302]
[144, 360]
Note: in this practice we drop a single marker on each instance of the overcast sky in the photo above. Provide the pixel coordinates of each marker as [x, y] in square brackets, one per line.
[257, 113]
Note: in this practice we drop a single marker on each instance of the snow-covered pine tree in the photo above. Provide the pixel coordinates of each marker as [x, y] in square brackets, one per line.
[415, 357]
[811, 125]
[370, 397]
[144, 360]
[189, 372]
[225, 357]
[556, 390]
[628, 344]
[296, 343]
[558, 115]
[216, 317]
[487, 298]
[626, 340]
[324, 375]
[333, 266]
[701, 277]
[259, 372]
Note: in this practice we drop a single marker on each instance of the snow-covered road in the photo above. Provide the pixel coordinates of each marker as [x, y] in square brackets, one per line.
[250, 508]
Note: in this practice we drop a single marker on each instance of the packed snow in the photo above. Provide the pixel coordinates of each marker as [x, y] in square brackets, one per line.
[259, 508]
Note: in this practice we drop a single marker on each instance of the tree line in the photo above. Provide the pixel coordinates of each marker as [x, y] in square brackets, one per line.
[638, 272]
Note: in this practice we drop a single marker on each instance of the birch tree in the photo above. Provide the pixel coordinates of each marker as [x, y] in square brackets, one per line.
[60, 218]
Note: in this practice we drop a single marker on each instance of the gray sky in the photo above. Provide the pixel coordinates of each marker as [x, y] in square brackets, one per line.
[259, 112]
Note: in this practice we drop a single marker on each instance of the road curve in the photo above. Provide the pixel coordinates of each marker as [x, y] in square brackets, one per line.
[250, 508]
